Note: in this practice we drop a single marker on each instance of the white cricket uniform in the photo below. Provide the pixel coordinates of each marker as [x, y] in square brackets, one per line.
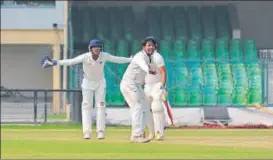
[93, 84]
[131, 88]
[153, 91]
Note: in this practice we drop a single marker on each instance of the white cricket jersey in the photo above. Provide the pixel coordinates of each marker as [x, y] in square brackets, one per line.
[93, 70]
[137, 69]
[157, 61]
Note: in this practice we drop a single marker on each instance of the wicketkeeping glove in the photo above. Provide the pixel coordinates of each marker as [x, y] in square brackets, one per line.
[48, 62]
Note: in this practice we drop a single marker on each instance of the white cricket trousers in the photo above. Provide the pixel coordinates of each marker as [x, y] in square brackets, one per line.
[156, 118]
[135, 97]
[89, 90]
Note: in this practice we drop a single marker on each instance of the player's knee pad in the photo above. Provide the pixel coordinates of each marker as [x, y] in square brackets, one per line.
[100, 104]
[157, 106]
[86, 105]
[100, 108]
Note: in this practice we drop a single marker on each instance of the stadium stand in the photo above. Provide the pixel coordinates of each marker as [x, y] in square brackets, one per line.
[206, 65]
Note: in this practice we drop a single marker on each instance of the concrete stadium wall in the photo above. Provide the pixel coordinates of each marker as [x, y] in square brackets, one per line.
[32, 18]
[254, 16]
[20, 67]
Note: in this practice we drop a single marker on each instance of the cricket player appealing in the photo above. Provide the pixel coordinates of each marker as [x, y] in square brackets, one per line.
[156, 92]
[131, 89]
[93, 83]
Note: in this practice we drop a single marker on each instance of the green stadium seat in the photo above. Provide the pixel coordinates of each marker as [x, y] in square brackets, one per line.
[129, 20]
[222, 49]
[194, 20]
[116, 22]
[240, 96]
[221, 13]
[250, 50]
[136, 47]
[88, 28]
[179, 50]
[236, 52]
[180, 23]
[196, 76]
[179, 96]
[255, 96]
[208, 22]
[210, 96]
[123, 48]
[102, 23]
[109, 47]
[223, 66]
[195, 98]
[211, 79]
[166, 23]
[224, 100]
[207, 49]
[165, 49]
[193, 50]
[181, 76]
[153, 17]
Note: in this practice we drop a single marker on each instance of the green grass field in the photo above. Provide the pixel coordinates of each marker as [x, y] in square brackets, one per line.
[66, 142]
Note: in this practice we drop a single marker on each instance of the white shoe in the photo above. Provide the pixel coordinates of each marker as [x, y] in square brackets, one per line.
[100, 135]
[139, 140]
[87, 135]
[151, 136]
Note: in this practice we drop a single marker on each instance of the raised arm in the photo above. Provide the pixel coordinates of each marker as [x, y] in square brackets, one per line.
[70, 62]
[116, 59]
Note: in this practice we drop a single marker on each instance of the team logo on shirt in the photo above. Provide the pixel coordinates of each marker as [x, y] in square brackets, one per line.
[100, 62]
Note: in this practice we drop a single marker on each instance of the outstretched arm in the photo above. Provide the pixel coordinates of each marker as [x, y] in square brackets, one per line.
[48, 62]
[70, 62]
[117, 59]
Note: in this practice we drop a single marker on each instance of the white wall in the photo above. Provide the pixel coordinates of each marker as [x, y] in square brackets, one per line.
[32, 18]
[20, 67]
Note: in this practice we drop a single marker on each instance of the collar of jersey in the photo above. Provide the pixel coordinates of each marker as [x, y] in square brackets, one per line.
[91, 58]
[143, 52]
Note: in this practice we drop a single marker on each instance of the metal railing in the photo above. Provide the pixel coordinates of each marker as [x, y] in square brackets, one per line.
[38, 106]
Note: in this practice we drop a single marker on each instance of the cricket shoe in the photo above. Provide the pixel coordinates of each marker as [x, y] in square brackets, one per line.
[139, 139]
[151, 136]
[100, 135]
[87, 135]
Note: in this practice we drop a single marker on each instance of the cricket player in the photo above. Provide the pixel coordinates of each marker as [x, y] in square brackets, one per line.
[93, 83]
[156, 92]
[131, 89]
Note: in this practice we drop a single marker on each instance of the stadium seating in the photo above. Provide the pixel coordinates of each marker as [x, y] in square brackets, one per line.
[208, 23]
[179, 50]
[194, 22]
[236, 52]
[180, 23]
[205, 66]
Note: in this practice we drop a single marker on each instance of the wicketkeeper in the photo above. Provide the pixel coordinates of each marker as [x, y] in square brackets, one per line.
[93, 83]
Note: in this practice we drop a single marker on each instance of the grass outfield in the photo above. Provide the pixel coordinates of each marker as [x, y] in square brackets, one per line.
[66, 142]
